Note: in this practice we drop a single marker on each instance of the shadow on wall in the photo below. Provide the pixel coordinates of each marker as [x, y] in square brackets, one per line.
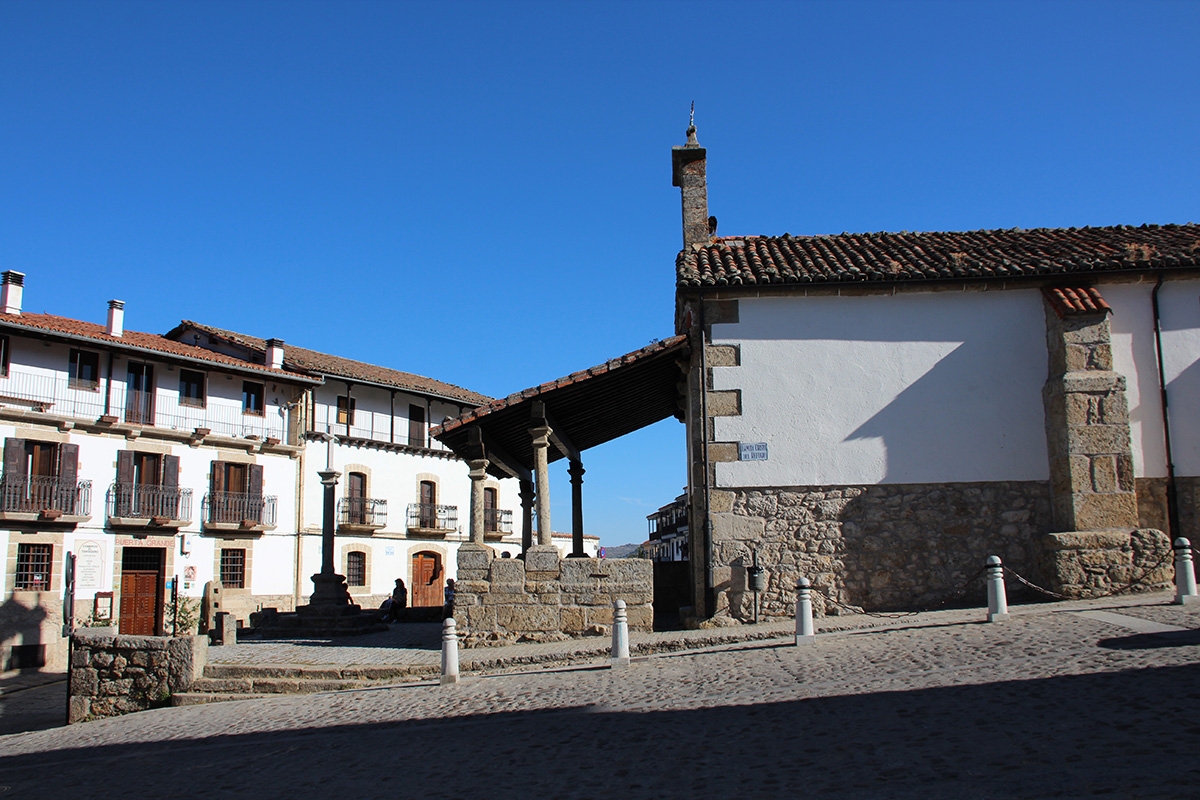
[1051, 737]
[953, 423]
[21, 645]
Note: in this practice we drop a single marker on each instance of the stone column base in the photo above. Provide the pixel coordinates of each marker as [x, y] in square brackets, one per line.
[474, 560]
[542, 563]
[1082, 564]
[329, 591]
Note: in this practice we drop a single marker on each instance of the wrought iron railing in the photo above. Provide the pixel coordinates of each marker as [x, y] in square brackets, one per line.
[431, 516]
[239, 507]
[497, 520]
[139, 407]
[140, 501]
[36, 493]
[362, 511]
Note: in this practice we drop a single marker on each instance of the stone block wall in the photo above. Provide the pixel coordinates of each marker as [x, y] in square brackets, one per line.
[881, 547]
[115, 675]
[1091, 563]
[546, 598]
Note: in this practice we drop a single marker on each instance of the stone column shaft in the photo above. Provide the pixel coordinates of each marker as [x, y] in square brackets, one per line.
[541, 465]
[576, 472]
[527, 496]
[478, 473]
[329, 479]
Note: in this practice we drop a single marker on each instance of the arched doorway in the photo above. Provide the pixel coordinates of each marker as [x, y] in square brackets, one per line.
[427, 580]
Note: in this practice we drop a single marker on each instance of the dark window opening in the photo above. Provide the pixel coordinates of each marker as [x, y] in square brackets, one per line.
[4, 356]
[356, 568]
[233, 568]
[252, 398]
[416, 426]
[33, 567]
[84, 370]
[345, 410]
[191, 388]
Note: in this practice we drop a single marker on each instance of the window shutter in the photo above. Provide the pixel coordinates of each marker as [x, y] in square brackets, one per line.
[170, 472]
[254, 481]
[14, 459]
[125, 466]
[217, 483]
[68, 465]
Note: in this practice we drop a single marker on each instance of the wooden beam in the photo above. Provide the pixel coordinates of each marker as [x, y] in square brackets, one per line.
[559, 438]
[500, 457]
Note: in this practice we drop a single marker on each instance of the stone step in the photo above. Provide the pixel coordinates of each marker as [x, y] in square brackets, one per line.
[362, 672]
[202, 698]
[271, 685]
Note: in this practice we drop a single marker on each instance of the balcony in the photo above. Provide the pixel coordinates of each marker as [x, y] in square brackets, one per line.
[42, 498]
[428, 519]
[497, 523]
[134, 505]
[361, 514]
[238, 511]
[161, 408]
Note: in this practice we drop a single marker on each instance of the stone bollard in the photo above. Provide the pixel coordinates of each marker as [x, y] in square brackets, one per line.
[1185, 575]
[224, 630]
[997, 599]
[620, 636]
[449, 652]
[804, 619]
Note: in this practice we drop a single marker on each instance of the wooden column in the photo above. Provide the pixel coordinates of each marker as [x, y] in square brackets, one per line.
[576, 472]
[527, 496]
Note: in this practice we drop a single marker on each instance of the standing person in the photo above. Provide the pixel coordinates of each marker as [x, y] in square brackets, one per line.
[448, 608]
[399, 602]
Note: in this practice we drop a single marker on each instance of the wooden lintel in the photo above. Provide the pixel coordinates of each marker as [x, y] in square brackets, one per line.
[559, 438]
[500, 457]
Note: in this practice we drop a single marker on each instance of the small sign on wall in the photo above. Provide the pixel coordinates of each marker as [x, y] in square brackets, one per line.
[752, 451]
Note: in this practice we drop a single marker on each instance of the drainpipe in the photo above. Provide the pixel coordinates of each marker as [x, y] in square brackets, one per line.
[709, 589]
[1172, 495]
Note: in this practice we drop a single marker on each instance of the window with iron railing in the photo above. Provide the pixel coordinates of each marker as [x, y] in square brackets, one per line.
[362, 511]
[497, 520]
[431, 516]
[142, 501]
[356, 568]
[239, 507]
[39, 493]
[33, 567]
[233, 568]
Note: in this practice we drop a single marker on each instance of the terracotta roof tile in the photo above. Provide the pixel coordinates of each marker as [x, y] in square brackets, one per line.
[313, 361]
[1006, 254]
[137, 340]
[1074, 300]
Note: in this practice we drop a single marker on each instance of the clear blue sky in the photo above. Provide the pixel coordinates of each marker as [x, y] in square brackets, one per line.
[482, 193]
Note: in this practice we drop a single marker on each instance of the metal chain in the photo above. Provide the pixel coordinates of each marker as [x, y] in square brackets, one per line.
[1111, 593]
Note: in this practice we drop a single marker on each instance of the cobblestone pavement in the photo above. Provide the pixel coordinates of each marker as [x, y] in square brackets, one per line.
[1064, 700]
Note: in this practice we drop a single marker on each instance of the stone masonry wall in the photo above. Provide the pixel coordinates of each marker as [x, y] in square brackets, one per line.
[1091, 563]
[545, 598]
[115, 675]
[891, 546]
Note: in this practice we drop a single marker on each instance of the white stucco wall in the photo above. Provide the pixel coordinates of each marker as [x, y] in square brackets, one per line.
[910, 388]
[1134, 356]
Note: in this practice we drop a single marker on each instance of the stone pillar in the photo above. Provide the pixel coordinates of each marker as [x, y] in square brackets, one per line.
[1087, 426]
[576, 472]
[329, 588]
[526, 515]
[689, 173]
[541, 465]
[477, 473]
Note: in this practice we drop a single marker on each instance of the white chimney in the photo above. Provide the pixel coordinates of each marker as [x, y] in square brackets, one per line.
[116, 317]
[11, 291]
[275, 353]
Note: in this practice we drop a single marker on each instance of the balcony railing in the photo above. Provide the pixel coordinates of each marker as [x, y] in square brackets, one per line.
[366, 511]
[497, 520]
[38, 493]
[432, 517]
[239, 508]
[375, 426]
[139, 501]
[161, 408]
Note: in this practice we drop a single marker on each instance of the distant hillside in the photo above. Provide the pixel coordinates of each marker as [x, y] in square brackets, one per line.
[621, 551]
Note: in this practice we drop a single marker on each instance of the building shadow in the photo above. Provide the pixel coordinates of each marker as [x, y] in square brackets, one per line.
[1121, 734]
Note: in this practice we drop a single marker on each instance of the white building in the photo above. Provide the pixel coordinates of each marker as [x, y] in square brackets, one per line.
[402, 496]
[881, 412]
[153, 461]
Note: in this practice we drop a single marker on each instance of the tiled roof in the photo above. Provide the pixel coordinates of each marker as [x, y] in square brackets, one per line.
[312, 361]
[1072, 300]
[574, 378]
[136, 340]
[891, 257]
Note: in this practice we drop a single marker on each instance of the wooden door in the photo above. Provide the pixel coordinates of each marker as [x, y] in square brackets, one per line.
[139, 396]
[427, 580]
[141, 590]
[356, 498]
[428, 504]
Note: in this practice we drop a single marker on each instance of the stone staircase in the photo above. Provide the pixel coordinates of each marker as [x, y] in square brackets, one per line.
[223, 682]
